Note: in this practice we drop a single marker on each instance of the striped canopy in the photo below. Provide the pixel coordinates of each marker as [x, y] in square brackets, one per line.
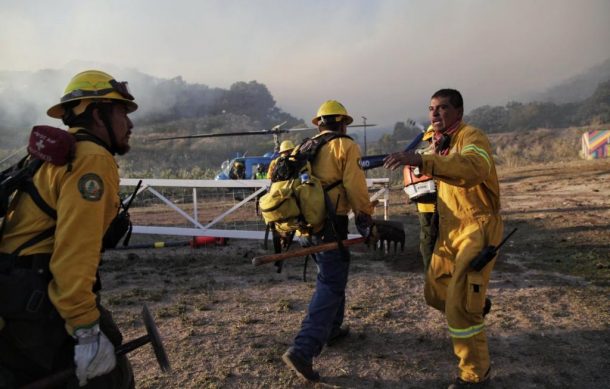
[596, 144]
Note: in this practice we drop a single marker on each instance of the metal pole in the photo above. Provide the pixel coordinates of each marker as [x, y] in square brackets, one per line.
[364, 125]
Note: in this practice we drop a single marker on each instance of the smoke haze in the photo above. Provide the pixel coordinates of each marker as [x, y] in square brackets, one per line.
[382, 59]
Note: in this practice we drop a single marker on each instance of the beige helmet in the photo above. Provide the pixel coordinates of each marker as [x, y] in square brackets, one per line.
[332, 108]
[429, 133]
[286, 145]
[90, 86]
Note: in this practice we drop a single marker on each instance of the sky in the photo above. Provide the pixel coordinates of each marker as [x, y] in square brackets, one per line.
[382, 59]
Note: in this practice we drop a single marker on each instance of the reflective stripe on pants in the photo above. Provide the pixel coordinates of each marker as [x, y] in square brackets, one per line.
[453, 288]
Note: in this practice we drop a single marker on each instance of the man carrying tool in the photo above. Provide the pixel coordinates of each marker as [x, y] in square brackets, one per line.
[59, 246]
[469, 220]
[336, 162]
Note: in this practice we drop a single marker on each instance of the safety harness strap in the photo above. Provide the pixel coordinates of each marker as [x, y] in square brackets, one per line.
[30, 189]
[49, 232]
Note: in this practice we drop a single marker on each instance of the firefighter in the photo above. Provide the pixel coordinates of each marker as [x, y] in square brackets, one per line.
[72, 328]
[238, 171]
[336, 163]
[260, 174]
[286, 148]
[469, 220]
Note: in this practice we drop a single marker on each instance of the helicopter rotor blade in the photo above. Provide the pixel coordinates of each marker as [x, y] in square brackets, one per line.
[219, 134]
[274, 130]
[277, 127]
[315, 128]
[361, 125]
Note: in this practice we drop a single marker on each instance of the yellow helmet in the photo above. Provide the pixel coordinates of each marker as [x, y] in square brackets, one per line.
[286, 145]
[332, 107]
[429, 133]
[89, 86]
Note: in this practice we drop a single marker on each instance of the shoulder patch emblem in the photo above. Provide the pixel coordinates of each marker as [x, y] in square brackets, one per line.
[91, 187]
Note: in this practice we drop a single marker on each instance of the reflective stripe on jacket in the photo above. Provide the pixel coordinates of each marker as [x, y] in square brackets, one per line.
[467, 183]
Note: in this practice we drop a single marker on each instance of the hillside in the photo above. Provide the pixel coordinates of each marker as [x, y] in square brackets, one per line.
[577, 88]
[161, 101]
[173, 107]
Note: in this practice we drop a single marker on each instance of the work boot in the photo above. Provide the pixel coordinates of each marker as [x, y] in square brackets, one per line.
[303, 368]
[487, 306]
[461, 384]
[337, 335]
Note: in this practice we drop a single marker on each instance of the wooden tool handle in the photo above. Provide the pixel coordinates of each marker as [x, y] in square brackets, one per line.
[257, 261]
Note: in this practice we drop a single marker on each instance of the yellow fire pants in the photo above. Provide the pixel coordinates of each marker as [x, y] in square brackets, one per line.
[458, 291]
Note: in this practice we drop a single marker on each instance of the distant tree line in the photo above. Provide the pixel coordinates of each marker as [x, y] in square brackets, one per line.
[251, 99]
[518, 116]
[161, 101]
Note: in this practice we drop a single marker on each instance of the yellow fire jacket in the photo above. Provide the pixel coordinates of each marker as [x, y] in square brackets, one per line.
[86, 200]
[338, 161]
[468, 186]
[271, 167]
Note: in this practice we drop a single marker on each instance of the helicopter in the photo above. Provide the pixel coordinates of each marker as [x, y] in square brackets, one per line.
[247, 166]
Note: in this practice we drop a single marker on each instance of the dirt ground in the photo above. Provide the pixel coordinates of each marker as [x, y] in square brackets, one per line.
[226, 323]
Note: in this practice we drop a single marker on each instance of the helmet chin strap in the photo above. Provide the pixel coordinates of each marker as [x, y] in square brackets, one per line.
[107, 123]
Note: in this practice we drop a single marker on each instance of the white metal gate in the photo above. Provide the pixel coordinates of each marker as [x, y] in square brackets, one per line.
[378, 187]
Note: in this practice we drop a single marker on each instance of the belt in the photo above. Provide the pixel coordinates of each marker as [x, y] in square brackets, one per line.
[33, 261]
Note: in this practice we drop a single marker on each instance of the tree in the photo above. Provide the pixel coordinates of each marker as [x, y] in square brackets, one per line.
[251, 99]
[404, 132]
[595, 109]
[490, 119]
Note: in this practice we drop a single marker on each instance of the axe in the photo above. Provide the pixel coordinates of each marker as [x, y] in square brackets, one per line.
[152, 336]
[257, 261]
[383, 232]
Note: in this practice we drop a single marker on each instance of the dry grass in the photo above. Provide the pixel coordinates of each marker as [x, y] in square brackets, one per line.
[226, 323]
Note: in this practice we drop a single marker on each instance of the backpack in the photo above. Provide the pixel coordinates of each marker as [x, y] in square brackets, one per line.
[56, 146]
[46, 144]
[15, 178]
[296, 200]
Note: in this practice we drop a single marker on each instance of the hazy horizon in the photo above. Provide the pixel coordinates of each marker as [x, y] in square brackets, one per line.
[382, 59]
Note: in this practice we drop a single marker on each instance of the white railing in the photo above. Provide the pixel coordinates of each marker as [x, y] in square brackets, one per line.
[196, 228]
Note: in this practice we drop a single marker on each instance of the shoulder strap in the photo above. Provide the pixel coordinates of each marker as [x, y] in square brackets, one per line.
[82, 135]
[29, 187]
[35, 164]
[324, 139]
[49, 232]
[321, 141]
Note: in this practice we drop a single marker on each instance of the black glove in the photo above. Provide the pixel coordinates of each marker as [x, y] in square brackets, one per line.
[386, 231]
[364, 224]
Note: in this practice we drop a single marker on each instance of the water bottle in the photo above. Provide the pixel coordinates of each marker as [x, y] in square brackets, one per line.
[304, 178]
